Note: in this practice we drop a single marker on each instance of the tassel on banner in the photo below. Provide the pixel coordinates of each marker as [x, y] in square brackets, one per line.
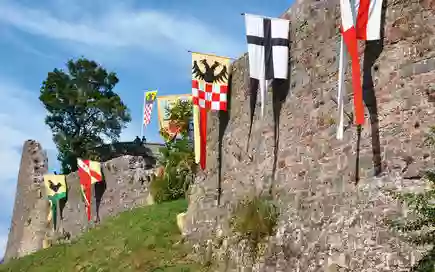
[203, 137]
[86, 193]
[196, 136]
[53, 205]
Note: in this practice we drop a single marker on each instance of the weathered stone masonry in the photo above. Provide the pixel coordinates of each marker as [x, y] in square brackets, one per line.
[27, 227]
[326, 218]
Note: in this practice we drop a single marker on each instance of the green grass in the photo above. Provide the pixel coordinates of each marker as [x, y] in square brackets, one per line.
[139, 240]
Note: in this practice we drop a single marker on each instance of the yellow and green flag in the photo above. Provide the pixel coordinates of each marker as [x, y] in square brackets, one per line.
[55, 186]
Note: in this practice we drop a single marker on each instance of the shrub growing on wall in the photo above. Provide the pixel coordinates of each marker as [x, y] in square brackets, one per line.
[421, 229]
[177, 158]
[254, 219]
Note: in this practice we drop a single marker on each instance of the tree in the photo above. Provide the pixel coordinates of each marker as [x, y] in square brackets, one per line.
[177, 157]
[420, 230]
[82, 110]
[180, 116]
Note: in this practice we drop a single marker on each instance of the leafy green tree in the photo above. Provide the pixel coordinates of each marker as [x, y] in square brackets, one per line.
[177, 157]
[180, 116]
[82, 110]
[421, 229]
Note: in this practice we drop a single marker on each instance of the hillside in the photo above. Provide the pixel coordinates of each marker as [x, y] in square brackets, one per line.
[142, 239]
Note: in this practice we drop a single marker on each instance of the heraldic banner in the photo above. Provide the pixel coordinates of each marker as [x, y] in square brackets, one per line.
[210, 75]
[165, 103]
[89, 173]
[149, 99]
[55, 187]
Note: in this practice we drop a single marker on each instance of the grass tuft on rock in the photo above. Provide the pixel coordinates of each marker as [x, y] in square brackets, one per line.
[254, 219]
[143, 239]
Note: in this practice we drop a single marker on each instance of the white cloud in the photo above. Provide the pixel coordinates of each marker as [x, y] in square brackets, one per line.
[120, 27]
[21, 118]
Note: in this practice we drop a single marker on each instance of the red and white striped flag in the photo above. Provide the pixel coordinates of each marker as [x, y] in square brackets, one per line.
[368, 27]
[150, 97]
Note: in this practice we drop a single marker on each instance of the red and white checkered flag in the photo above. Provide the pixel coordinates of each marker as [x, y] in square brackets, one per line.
[150, 97]
[210, 75]
[209, 96]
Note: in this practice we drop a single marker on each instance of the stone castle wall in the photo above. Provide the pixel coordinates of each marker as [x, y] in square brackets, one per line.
[332, 205]
[125, 186]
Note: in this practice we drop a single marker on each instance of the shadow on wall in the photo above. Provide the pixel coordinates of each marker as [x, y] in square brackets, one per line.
[372, 51]
[281, 89]
[224, 119]
[98, 189]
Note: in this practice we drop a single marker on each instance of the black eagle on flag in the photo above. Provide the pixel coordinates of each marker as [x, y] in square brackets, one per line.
[209, 74]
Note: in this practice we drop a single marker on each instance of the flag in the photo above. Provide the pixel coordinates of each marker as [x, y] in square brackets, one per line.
[268, 46]
[55, 186]
[368, 27]
[150, 97]
[89, 173]
[196, 136]
[209, 91]
[165, 103]
[368, 21]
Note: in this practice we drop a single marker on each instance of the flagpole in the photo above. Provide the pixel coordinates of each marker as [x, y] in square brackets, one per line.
[211, 55]
[261, 16]
[143, 116]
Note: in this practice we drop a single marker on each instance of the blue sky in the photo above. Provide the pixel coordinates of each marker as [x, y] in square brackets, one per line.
[144, 42]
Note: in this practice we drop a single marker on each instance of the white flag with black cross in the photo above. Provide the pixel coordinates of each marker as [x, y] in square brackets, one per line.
[268, 49]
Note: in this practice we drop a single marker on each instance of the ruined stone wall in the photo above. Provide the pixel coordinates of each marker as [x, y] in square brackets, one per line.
[125, 186]
[332, 205]
[110, 151]
[27, 229]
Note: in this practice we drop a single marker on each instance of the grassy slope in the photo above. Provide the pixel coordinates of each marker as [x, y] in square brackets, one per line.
[138, 240]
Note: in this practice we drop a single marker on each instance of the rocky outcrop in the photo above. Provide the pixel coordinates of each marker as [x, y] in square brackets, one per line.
[27, 230]
[330, 193]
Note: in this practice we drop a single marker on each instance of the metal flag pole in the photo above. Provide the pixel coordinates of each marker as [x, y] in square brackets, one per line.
[211, 55]
[143, 116]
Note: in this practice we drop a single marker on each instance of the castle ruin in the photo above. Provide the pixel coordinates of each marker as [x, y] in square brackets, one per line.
[125, 186]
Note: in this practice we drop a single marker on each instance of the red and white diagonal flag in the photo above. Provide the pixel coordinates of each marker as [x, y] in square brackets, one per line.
[368, 27]
[351, 42]
[368, 20]
[89, 173]
[150, 97]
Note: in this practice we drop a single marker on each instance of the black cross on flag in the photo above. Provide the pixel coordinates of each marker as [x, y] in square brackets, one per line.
[268, 46]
